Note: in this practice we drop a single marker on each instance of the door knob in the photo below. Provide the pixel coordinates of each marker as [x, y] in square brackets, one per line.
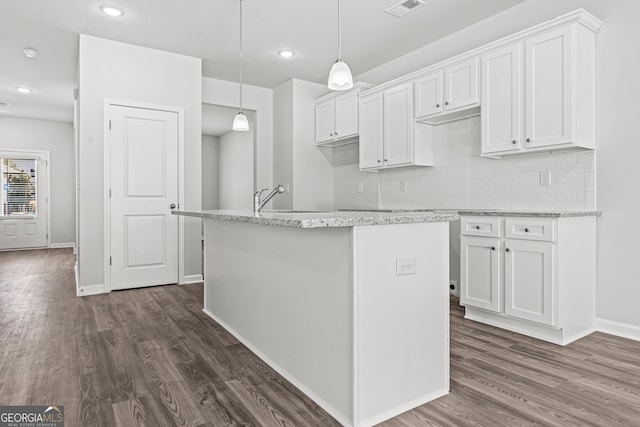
[172, 206]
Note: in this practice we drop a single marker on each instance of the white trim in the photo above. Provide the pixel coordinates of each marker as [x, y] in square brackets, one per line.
[293, 380]
[63, 245]
[403, 408]
[91, 290]
[108, 103]
[194, 278]
[623, 330]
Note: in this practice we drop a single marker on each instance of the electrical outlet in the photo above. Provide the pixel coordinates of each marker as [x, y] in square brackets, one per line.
[360, 187]
[286, 189]
[545, 178]
[404, 185]
[405, 266]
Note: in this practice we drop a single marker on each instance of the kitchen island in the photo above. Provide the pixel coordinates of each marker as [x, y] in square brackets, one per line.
[350, 307]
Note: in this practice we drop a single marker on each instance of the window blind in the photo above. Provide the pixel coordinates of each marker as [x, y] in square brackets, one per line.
[19, 189]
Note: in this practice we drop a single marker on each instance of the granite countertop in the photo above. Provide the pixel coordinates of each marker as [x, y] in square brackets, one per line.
[320, 219]
[533, 214]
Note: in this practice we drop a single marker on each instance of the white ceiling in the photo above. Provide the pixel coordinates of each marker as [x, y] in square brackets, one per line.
[208, 29]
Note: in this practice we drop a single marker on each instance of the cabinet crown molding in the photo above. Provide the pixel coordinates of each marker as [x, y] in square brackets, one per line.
[579, 16]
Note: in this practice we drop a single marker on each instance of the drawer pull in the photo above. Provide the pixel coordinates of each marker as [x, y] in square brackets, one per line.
[493, 248]
[477, 227]
[526, 230]
[508, 250]
[514, 142]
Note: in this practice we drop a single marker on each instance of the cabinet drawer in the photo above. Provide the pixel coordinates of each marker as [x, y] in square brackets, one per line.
[531, 229]
[480, 226]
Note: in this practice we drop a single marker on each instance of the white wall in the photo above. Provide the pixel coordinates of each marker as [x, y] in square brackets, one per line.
[235, 170]
[259, 100]
[210, 156]
[298, 162]
[347, 179]
[57, 138]
[109, 69]
[617, 71]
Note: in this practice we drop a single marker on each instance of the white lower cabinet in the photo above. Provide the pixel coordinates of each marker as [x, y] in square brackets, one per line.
[530, 275]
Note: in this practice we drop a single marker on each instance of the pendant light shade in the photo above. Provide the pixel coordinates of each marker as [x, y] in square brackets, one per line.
[240, 122]
[340, 77]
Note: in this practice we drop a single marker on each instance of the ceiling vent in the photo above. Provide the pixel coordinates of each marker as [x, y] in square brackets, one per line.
[404, 7]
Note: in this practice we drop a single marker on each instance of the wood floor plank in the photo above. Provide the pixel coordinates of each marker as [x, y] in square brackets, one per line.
[151, 357]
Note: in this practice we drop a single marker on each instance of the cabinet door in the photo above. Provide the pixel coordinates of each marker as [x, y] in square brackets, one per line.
[549, 89]
[346, 115]
[398, 125]
[480, 268]
[324, 121]
[501, 89]
[371, 132]
[529, 282]
[461, 85]
[428, 95]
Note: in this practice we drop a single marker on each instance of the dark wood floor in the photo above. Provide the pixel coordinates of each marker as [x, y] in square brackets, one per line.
[151, 357]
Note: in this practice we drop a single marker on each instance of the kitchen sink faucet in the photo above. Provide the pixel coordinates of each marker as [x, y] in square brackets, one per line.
[258, 205]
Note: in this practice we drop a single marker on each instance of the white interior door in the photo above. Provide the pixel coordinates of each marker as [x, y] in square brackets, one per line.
[143, 186]
[24, 212]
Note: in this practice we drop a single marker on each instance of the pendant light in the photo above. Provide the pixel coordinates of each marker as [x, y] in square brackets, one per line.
[340, 75]
[240, 122]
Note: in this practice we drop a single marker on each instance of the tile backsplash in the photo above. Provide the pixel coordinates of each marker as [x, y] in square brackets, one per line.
[461, 178]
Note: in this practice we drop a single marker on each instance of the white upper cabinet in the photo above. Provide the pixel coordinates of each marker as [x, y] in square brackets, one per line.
[428, 95]
[549, 87]
[501, 99]
[371, 131]
[461, 86]
[389, 137]
[324, 120]
[337, 117]
[452, 89]
[538, 94]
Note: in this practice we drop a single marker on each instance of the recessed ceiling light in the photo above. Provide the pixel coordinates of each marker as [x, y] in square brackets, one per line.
[23, 89]
[30, 52]
[286, 53]
[111, 10]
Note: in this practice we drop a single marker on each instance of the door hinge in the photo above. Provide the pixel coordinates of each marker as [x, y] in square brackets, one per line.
[110, 261]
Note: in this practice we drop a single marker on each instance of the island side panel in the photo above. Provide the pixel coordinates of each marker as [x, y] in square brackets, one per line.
[287, 293]
[401, 321]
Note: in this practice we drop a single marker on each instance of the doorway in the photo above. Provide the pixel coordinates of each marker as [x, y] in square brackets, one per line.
[143, 237]
[24, 214]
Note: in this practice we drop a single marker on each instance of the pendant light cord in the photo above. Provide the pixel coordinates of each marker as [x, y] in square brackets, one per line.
[241, 55]
[339, 34]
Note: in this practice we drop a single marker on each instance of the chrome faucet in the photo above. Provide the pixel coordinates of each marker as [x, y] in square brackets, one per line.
[258, 205]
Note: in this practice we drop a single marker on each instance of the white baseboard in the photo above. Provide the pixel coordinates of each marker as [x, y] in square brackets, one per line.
[293, 380]
[90, 290]
[63, 245]
[403, 408]
[623, 330]
[194, 278]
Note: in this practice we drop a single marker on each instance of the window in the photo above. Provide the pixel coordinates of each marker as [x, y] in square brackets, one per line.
[19, 191]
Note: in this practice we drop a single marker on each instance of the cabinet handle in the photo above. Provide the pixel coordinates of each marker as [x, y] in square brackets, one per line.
[528, 139]
[446, 103]
[437, 105]
[514, 142]
[526, 230]
[493, 248]
[385, 160]
[508, 250]
[379, 161]
[477, 227]
[331, 135]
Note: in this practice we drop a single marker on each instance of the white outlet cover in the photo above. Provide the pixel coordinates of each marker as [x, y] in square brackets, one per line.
[405, 266]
